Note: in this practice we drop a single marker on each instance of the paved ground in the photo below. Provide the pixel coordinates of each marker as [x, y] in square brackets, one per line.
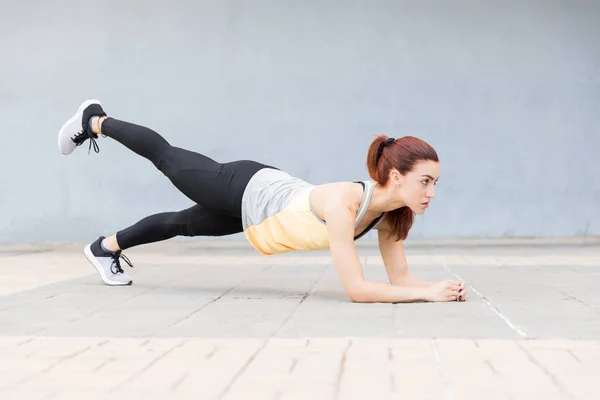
[217, 320]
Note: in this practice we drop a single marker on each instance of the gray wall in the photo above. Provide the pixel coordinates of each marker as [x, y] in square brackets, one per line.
[507, 92]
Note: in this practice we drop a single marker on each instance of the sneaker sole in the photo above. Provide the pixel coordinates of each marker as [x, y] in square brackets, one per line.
[90, 257]
[71, 121]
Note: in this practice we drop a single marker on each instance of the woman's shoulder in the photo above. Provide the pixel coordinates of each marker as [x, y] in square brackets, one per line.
[346, 192]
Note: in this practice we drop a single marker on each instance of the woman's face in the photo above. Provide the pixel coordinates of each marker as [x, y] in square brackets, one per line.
[417, 186]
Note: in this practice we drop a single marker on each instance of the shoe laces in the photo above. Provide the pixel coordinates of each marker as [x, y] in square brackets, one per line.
[115, 267]
[81, 137]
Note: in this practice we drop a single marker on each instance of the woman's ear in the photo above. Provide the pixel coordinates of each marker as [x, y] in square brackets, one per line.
[396, 177]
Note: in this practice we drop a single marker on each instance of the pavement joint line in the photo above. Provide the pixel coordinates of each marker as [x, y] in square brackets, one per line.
[338, 381]
[207, 304]
[449, 392]
[104, 364]
[393, 387]
[136, 375]
[579, 301]
[125, 300]
[26, 303]
[493, 307]
[179, 381]
[488, 362]
[549, 374]
[308, 293]
[242, 370]
[570, 352]
[49, 368]
[293, 366]
[79, 318]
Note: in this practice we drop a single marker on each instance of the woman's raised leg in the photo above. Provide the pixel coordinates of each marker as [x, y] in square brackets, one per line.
[216, 186]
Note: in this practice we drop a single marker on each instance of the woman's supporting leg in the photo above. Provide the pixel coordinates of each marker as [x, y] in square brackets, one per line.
[194, 221]
[105, 253]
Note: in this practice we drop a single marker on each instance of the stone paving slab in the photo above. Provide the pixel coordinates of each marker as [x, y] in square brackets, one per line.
[209, 321]
[336, 368]
[305, 301]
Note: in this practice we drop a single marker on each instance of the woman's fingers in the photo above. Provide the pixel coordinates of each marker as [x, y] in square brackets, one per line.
[453, 293]
[462, 294]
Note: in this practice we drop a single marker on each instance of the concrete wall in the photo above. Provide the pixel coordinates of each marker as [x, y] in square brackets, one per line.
[507, 92]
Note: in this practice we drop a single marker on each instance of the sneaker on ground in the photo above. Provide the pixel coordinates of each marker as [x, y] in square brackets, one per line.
[108, 264]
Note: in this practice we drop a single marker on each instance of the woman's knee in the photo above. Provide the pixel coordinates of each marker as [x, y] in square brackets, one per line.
[198, 221]
[175, 224]
[163, 158]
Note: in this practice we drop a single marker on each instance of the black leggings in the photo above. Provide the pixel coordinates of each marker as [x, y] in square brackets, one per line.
[216, 188]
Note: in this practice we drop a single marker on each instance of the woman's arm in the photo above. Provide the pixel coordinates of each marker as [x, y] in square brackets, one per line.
[394, 259]
[395, 263]
[339, 215]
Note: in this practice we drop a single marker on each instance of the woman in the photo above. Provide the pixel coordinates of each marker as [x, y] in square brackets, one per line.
[278, 212]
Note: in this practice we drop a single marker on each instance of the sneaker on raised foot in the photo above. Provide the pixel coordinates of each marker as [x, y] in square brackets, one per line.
[76, 131]
[108, 264]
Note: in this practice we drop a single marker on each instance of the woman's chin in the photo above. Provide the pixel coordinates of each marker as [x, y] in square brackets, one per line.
[420, 209]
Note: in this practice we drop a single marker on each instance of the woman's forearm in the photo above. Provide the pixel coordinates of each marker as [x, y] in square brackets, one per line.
[411, 281]
[377, 292]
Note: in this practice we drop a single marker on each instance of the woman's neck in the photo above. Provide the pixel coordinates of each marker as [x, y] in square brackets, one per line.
[383, 199]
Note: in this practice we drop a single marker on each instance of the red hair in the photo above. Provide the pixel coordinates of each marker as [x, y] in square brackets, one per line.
[401, 154]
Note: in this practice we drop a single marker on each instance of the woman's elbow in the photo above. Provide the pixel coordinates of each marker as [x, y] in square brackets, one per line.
[359, 294]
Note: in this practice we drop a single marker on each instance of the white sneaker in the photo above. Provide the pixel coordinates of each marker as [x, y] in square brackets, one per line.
[108, 264]
[75, 131]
